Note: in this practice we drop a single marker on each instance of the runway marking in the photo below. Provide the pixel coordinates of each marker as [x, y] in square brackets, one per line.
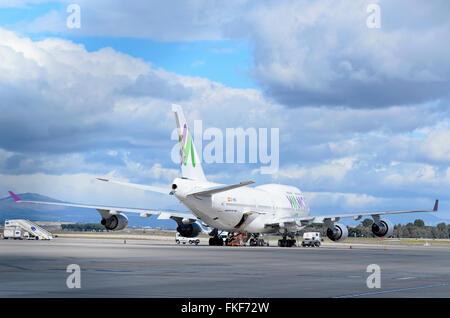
[405, 278]
[393, 290]
[15, 267]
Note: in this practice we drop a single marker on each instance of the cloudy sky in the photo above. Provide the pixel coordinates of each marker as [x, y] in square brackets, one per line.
[363, 113]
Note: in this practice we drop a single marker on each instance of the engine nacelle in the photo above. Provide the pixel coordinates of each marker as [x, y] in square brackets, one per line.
[189, 230]
[382, 228]
[338, 233]
[115, 222]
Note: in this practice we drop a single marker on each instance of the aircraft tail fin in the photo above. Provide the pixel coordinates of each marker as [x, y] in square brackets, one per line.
[191, 167]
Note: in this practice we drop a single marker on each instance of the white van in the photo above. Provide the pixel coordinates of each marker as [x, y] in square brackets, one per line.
[184, 240]
[311, 239]
[311, 235]
[13, 233]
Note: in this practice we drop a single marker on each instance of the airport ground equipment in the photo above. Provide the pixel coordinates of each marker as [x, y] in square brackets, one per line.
[309, 242]
[24, 229]
[237, 239]
[179, 239]
[311, 239]
[12, 233]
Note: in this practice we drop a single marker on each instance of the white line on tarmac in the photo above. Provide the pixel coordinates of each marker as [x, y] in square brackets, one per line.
[392, 290]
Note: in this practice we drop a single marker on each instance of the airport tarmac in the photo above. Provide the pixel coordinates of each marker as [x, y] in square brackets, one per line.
[143, 268]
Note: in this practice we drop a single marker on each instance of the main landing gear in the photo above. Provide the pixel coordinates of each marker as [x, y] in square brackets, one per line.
[256, 241]
[215, 240]
[287, 242]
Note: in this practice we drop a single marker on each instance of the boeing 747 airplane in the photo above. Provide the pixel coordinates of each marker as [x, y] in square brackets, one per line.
[236, 208]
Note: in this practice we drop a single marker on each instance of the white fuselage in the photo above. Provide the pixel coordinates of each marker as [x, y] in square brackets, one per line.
[242, 209]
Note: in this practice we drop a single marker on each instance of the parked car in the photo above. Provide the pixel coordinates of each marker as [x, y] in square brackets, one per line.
[186, 240]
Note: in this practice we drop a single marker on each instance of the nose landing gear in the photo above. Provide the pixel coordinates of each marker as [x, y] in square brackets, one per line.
[216, 241]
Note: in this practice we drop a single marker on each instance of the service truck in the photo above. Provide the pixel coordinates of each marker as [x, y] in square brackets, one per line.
[311, 239]
[13, 233]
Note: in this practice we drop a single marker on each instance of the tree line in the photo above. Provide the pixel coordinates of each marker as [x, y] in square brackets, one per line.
[83, 227]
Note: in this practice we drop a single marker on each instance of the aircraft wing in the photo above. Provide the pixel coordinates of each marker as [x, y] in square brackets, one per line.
[358, 216]
[299, 222]
[138, 186]
[111, 210]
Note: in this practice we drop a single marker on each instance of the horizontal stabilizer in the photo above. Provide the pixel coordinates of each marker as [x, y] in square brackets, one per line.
[221, 188]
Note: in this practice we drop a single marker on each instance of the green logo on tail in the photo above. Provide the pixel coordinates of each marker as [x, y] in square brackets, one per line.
[187, 146]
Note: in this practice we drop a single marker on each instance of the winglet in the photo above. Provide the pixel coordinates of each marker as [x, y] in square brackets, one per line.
[436, 206]
[15, 197]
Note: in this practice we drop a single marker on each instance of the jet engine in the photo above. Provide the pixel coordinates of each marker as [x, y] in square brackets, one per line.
[338, 232]
[115, 222]
[382, 228]
[189, 230]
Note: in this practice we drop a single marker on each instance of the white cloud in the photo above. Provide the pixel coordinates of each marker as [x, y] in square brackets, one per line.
[336, 170]
[343, 200]
[322, 53]
[69, 115]
[436, 146]
[424, 175]
[83, 188]
[304, 52]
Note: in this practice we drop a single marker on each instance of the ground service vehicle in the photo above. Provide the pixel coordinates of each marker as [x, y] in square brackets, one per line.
[184, 240]
[311, 239]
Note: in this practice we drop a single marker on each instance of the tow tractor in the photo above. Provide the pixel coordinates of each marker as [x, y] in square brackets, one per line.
[236, 239]
[241, 239]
